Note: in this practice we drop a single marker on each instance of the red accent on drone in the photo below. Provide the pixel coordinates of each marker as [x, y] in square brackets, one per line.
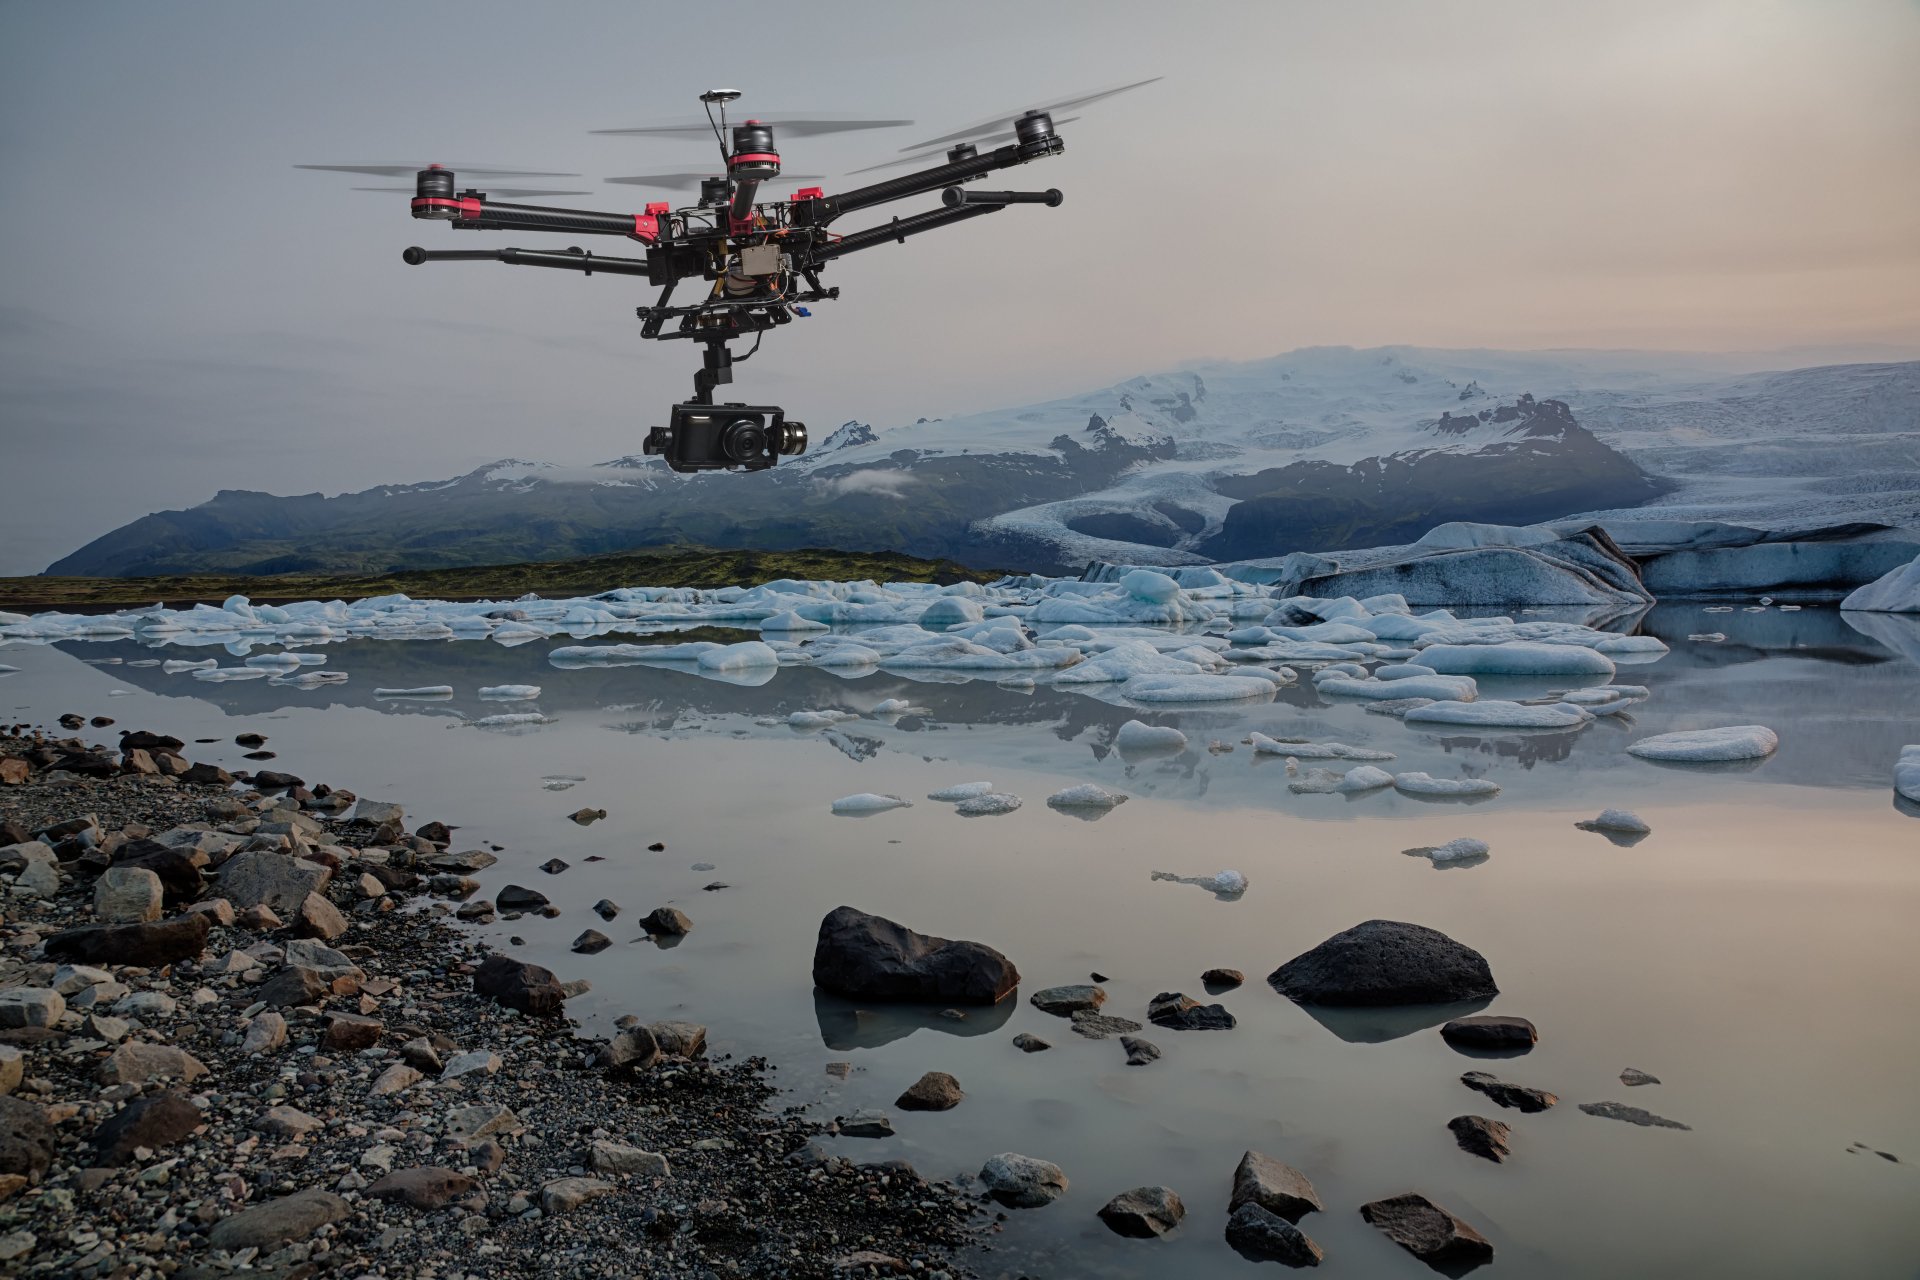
[749, 157]
[658, 207]
[809, 193]
[646, 226]
[467, 208]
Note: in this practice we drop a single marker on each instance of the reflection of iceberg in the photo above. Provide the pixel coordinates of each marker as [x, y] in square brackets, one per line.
[1898, 632]
[845, 1024]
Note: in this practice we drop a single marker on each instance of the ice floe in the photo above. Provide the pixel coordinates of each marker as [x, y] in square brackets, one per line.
[509, 692]
[1493, 713]
[1425, 784]
[1196, 688]
[1516, 657]
[1224, 884]
[1447, 688]
[819, 719]
[508, 719]
[1136, 735]
[1302, 750]
[961, 791]
[990, 804]
[1463, 851]
[869, 802]
[1362, 778]
[1620, 821]
[1906, 773]
[1736, 742]
[1897, 591]
[1086, 796]
[425, 692]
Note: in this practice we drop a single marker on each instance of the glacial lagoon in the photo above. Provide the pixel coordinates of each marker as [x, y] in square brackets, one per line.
[1757, 952]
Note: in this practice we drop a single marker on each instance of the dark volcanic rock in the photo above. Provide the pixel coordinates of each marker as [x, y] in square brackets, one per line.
[670, 922]
[26, 1139]
[141, 740]
[867, 957]
[155, 942]
[1139, 1052]
[1481, 1137]
[1222, 978]
[1027, 1042]
[207, 773]
[1260, 1235]
[516, 897]
[934, 1091]
[178, 868]
[1427, 1231]
[158, 1120]
[1491, 1031]
[1518, 1097]
[1179, 1012]
[590, 941]
[1144, 1212]
[1278, 1188]
[519, 985]
[1386, 962]
[1632, 1115]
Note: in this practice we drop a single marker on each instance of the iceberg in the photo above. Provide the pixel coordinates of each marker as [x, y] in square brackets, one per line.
[1195, 688]
[1135, 735]
[425, 691]
[1694, 746]
[1617, 820]
[868, 802]
[819, 719]
[1463, 850]
[1896, 591]
[1354, 781]
[961, 791]
[991, 804]
[1448, 688]
[1424, 784]
[1263, 745]
[509, 692]
[1516, 657]
[1494, 713]
[788, 620]
[1906, 773]
[1086, 796]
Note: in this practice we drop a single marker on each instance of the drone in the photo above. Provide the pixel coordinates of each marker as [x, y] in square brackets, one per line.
[758, 262]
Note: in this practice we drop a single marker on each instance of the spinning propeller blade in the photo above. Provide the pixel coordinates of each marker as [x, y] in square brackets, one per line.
[999, 123]
[935, 155]
[498, 193]
[688, 181]
[408, 170]
[791, 126]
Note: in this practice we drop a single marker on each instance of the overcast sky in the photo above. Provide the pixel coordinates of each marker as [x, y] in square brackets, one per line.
[182, 311]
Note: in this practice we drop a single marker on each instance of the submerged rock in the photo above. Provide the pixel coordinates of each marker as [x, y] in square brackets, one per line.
[868, 957]
[1491, 1031]
[1633, 1076]
[1632, 1115]
[1259, 1235]
[1022, 1182]
[1139, 1052]
[1386, 962]
[1178, 1012]
[519, 985]
[1517, 1097]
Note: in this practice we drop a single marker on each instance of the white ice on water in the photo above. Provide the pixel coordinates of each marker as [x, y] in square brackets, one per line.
[1086, 796]
[1196, 688]
[991, 804]
[1136, 735]
[1263, 745]
[1906, 773]
[1362, 778]
[961, 791]
[506, 719]
[1624, 821]
[1897, 591]
[1494, 713]
[869, 802]
[819, 719]
[1516, 657]
[1447, 688]
[509, 692]
[425, 691]
[1425, 784]
[896, 707]
[1464, 849]
[1697, 746]
[788, 620]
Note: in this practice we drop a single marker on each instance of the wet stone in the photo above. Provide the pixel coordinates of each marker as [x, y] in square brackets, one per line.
[1518, 1097]
[1482, 1137]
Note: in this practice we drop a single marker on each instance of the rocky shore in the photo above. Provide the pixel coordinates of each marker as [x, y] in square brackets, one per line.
[241, 1033]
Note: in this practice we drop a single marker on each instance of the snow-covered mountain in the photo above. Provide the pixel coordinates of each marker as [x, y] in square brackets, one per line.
[1319, 448]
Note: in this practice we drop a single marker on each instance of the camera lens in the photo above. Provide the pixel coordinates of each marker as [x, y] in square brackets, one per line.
[744, 439]
[790, 438]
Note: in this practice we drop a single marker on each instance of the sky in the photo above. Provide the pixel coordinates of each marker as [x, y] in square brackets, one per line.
[182, 311]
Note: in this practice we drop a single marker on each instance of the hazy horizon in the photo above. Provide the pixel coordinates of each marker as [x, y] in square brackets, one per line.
[185, 312]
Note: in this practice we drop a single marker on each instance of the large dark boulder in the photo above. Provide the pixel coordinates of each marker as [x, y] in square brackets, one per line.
[519, 985]
[155, 1121]
[1386, 962]
[26, 1139]
[870, 958]
[178, 868]
[154, 942]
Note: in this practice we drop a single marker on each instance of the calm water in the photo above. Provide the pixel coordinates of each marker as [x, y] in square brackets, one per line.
[1758, 952]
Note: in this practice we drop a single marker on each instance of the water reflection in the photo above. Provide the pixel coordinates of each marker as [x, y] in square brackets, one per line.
[1376, 1025]
[848, 1024]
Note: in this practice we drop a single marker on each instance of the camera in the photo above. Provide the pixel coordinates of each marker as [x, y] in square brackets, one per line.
[726, 437]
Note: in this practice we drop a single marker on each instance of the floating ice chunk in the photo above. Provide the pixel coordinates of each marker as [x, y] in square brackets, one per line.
[1446, 688]
[1619, 645]
[1351, 670]
[1498, 714]
[895, 707]
[788, 620]
[561, 781]
[509, 692]
[1620, 820]
[1516, 657]
[309, 679]
[1135, 735]
[424, 691]
[961, 791]
[1263, 745]
[220, 675]
[847, 655]
[174, 666]
[819, 719]
[1596, 697]
[1225, 884]
[748, 655]
[1154, 588]
[277, 660]
[1124, 661]
[1195, 688]
[1354, 781]
[989, 805]
[1906, 773]
[1897, 591]
[868, 802]
[1086, 796]
[1465, 849]
[1736, 742]
[1403, 671]
[6, 670]
[1424, 784]
[1710, 637]
[508, 718]
[1229, 882]
[950, 611]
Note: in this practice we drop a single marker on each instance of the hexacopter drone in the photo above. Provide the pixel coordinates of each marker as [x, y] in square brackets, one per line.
[762, 259]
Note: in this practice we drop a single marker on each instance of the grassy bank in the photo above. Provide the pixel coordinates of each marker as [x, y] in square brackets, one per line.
[662, 567]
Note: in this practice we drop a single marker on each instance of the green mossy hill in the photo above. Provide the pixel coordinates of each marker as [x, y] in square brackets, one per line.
[664, 567]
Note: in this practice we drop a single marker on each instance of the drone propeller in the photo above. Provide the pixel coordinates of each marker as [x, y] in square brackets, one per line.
[408, 170]
[498, 193]
[998, 123]
[791, 126]
[934, 154]
[688, 181]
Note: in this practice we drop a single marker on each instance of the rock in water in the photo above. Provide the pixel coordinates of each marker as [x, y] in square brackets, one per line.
[1482, 1137]
[1280, 1189]
[1022, 1182]
[1518, 1097]
[1067, 1001]
[934, 1091]
[1259, 1235]
[867, 957]
[1144, 1212]
[1490, 1031]
[670, 922]
[1223, 978]
[1427, 1231]
[1632, 1115]
[516, 897]
[1633, 1076]
[1027, 1042]
[1179, 1012]
[518, 985]
[1386, 962]
[867, 1124]
[1139, 1052]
